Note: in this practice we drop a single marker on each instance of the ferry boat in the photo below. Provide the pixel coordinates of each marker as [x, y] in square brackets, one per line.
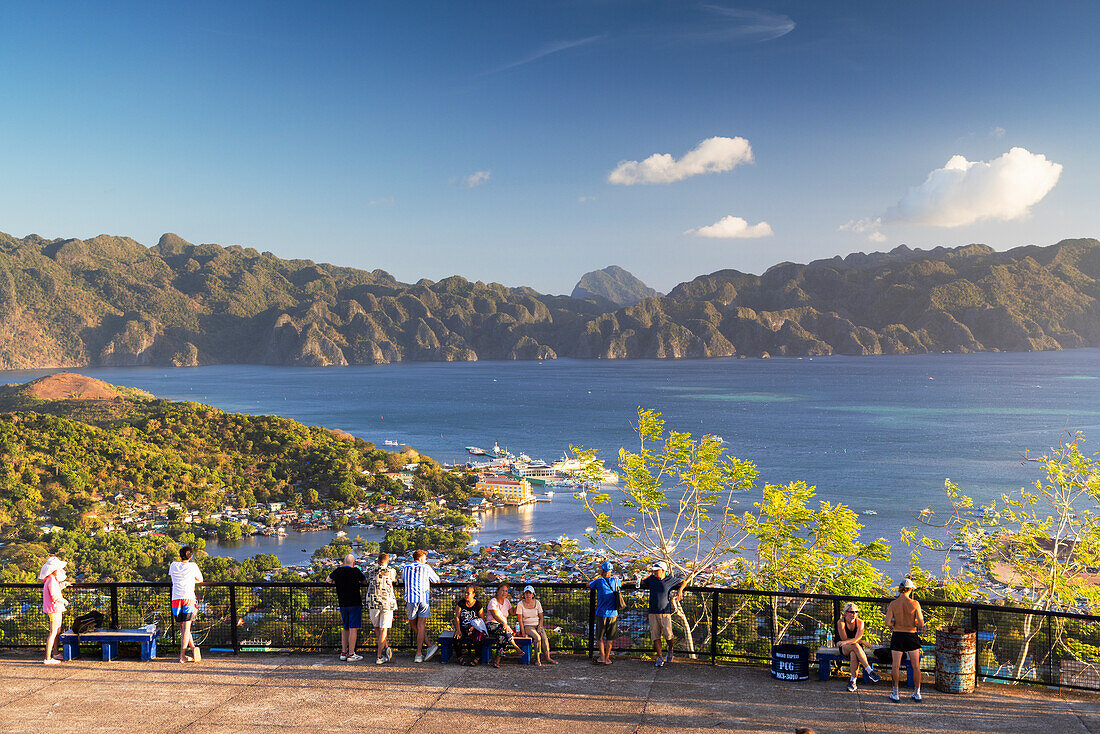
[476, 451]
[391, 442]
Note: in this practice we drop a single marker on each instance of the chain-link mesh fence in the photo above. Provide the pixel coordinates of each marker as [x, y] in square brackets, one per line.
[718, 625]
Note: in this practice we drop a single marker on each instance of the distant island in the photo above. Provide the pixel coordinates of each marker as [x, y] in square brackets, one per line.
[112, 301]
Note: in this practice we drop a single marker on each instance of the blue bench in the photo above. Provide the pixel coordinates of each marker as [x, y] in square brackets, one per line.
[109, 639]
[446, 648]
[826, 656]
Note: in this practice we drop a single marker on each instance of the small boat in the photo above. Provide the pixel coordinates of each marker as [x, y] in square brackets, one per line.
[390, 442]
[550, 493]
[869, 512]
[476, 451]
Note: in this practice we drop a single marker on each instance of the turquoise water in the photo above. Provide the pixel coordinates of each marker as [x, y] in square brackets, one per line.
[878, 433]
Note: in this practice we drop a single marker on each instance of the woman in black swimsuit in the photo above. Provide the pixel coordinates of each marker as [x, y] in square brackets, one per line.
[850, 642]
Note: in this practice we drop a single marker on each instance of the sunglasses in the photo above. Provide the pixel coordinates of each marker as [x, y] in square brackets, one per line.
[851, 611]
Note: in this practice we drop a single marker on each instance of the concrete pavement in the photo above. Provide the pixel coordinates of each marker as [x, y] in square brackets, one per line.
[318, 693]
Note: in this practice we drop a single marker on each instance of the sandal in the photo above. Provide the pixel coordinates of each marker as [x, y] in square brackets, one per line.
[495, 663]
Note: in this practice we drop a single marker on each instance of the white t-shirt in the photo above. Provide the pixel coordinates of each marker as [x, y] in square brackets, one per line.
[530, 616]
[504, 607]
[184, 575]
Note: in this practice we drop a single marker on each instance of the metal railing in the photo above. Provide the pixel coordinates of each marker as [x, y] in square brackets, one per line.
[715, 624]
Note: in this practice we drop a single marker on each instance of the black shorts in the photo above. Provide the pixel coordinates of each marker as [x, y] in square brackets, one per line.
[607, 628]
[904, 641]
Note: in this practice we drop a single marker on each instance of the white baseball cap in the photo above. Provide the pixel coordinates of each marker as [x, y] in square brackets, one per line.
[659, 566]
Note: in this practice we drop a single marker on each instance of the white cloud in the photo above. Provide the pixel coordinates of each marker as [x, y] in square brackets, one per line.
[713, 155]
[997, 132]
[964, 192]
[870, 224]
[384, 201]
[477, 178]
[732, 227]
[585, 199]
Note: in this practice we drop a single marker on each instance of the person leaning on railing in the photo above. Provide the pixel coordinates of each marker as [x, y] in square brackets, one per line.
[850, 642]
[52, 575]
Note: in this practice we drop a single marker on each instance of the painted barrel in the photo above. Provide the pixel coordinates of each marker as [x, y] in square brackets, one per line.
[790, 662]
[956, 653]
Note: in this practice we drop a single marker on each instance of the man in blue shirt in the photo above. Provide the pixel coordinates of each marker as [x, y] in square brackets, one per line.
[418, 576]
[607, 613]
[661, 586]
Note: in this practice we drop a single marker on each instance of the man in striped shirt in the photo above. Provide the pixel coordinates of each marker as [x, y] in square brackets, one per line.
[417, 577]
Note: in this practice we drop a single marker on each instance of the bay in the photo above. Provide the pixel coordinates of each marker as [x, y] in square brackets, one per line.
[876, 433]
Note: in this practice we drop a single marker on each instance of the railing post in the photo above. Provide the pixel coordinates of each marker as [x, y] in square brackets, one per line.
[975, 622]
[233, 619]
[591, 621]
[713, 627]
[1050, 649]
[114, 606]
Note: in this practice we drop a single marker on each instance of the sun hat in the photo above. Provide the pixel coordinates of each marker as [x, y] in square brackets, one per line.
[659, 566]
[606, 566]
[53, 563]
[907, 583]
[528, 588]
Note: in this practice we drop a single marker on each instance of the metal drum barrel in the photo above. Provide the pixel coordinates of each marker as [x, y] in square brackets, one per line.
[956, 654]
[790, 662]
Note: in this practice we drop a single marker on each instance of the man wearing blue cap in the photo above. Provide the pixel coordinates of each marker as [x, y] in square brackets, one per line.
[607, 613]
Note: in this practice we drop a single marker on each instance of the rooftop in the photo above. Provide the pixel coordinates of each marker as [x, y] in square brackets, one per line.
[283, 693]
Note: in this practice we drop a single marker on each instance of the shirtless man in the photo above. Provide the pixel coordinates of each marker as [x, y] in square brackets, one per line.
[904, 617]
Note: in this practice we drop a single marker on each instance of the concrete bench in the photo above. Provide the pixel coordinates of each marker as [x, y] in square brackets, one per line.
[109, 639]
[447, 641]
[826, 656]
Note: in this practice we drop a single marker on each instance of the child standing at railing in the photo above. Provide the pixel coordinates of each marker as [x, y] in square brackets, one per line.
[52, 575]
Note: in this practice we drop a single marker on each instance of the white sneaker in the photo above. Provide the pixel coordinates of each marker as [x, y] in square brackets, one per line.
[916, 697]
[343, 656]
[353, 658]
[418, 659]
[431, 651]
[389, 653]
[852, 685]
[379, 661]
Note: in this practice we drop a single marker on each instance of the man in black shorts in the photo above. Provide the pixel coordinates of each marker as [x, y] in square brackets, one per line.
[905, 618]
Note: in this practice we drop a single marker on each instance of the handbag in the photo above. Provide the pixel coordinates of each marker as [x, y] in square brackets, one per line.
[620, 600]
[90, 622]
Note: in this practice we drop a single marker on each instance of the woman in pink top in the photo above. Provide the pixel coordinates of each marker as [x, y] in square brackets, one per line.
[53, 604]
[496, 621]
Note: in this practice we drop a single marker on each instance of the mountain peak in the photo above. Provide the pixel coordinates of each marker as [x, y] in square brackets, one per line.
[615, 284]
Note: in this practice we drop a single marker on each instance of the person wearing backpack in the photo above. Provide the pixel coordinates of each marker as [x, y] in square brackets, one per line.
[608, 601]
[381, 603]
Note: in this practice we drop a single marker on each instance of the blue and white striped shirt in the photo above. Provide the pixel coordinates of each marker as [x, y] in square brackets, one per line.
[417, 577]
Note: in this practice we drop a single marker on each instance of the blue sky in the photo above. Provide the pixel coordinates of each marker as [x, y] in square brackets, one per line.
[480, 139]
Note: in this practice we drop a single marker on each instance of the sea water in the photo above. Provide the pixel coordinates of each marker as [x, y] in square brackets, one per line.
[876, 433]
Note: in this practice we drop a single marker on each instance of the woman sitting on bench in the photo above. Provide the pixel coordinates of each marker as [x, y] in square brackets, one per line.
[469, 627]
[850, 642]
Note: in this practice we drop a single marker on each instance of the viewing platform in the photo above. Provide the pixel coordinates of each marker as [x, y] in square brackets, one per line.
[318, 693]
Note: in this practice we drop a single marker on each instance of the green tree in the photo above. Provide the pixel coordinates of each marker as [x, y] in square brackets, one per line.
[1044, 542]
[229, 531]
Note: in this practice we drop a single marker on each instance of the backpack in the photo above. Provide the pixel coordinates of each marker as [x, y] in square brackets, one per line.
[89, 622]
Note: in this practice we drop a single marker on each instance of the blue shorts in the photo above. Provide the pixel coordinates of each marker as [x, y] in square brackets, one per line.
[352, 617]
[417, 610]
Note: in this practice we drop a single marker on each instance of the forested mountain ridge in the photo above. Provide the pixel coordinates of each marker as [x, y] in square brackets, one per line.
[112, 301]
